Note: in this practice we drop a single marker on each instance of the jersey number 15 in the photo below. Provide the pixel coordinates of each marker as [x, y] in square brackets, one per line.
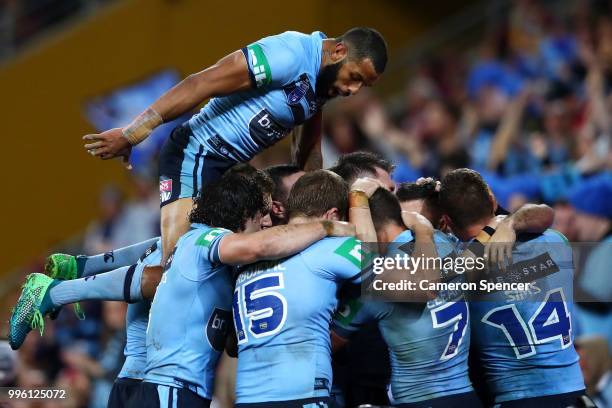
[260, 306]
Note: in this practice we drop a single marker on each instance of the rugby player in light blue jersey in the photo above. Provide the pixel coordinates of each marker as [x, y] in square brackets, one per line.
[282, 310]
[428, 341]
[77, 278]
[191, 311]
[258, 95]
[524, 340]
[73, 279]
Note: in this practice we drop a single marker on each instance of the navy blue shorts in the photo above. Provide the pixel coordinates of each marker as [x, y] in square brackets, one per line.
[317, 402]
[465, 400]
[186, 166]
[152, 395]
[122, 392]
[570, 399]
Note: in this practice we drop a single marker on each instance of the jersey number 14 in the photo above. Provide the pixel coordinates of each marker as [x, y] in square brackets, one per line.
[550, 322]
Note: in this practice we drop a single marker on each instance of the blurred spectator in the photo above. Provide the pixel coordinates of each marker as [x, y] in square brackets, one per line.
[102, 234]
[104, 370]
[140, 220]
[8, 364]
[21, 20]
[595, 365]
[593, 222]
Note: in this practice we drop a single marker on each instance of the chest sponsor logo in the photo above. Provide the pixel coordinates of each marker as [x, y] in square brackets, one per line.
[217, 327]
[265, 130]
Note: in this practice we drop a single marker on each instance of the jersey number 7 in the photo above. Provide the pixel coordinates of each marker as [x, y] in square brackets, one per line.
[456, 314]
[259, 305]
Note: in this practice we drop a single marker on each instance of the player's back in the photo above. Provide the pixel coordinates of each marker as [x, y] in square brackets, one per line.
[282, 312]
[524, 339]
[190, 314]
[428, 342]
[283, 70]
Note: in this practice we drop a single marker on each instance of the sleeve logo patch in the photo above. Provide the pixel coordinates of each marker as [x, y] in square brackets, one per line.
[260, 65]
[351, 250]
[209, 236]
[348, 311]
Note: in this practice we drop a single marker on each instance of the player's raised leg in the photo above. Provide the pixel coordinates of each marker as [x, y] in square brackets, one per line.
[42, 295]
[174, 223]
[66, 267]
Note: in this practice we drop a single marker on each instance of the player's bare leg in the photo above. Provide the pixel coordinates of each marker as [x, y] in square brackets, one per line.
[174, 223]
[151, 276]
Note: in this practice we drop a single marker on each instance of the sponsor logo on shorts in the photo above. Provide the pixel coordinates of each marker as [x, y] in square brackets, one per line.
[165, 190]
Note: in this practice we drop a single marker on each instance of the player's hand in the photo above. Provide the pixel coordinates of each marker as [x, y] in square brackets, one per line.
[366, 185]
[416, 222]
[498, 249]
[108, 145]
[339, 229]
[425, 180]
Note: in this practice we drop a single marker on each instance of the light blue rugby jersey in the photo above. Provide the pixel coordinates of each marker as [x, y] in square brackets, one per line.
[428, 344]
[190, 314]
[282, 313]
[524, 340]
[136, 321]
[283, 70]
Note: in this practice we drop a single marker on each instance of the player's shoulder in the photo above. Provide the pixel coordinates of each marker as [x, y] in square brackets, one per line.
[549, 236]
[404, 236]
[334, 249]
[202, 235]
[287, 41]
[331, 244]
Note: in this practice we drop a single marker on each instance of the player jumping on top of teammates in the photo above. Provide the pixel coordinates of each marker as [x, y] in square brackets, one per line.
[258, 95]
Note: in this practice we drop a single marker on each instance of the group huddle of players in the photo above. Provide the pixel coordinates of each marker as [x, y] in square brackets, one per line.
[262, 264]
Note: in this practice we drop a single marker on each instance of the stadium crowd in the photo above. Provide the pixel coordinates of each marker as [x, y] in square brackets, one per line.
[529, 108]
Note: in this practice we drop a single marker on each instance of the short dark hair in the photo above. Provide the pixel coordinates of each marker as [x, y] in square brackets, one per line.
[464, 196]
[385, 208]
[230, 201]
[425, 191]
[364, 42]
[351, 166]
[317, 192]
[414, 191]
[277, 174]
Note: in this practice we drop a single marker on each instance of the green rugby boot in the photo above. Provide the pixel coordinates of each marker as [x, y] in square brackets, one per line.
[33, 304]
[64, 267]
[61, 266]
